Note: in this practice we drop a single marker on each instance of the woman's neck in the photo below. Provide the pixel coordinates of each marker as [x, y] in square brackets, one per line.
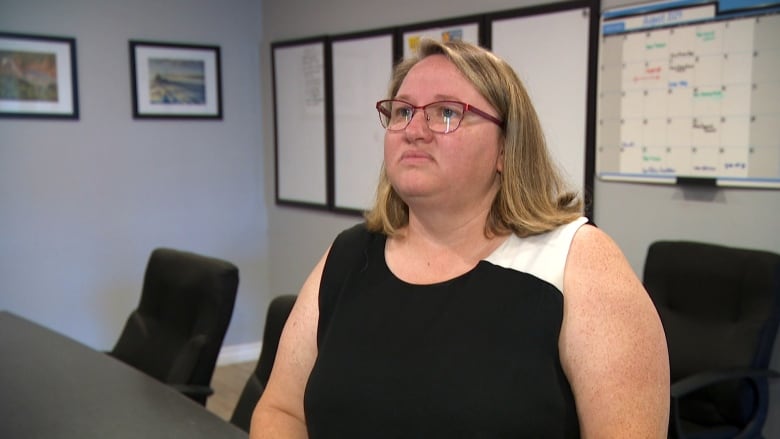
[437, 247]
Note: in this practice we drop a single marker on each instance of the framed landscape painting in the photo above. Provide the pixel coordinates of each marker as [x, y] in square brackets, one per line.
[175, 81]
[38, 76]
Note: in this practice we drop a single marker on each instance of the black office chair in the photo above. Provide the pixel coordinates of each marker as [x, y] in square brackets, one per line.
[720, 308]
[177, 330]
[276, 317]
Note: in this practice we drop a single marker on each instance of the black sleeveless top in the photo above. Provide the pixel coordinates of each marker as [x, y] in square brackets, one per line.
[472, 357]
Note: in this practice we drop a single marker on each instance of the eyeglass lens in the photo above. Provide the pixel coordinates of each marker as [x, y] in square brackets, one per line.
[442, 117]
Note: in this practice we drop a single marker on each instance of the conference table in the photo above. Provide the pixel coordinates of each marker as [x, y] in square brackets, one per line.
[52, 386]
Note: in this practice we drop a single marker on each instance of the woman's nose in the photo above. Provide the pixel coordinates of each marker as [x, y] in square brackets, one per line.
[418, 126]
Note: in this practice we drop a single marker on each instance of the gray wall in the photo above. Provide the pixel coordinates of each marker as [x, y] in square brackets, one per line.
[83, 203]
[634, 214]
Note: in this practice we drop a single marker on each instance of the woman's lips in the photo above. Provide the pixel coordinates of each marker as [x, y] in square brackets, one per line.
[415, 156]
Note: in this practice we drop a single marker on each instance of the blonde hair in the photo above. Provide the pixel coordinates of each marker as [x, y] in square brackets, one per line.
[533, 197]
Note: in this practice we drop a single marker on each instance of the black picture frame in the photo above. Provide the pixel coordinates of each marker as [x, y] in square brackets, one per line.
[38, 76]
[175, 81]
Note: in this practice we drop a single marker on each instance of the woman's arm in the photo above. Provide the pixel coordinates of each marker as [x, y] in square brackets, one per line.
[613, 347]
[279, 413]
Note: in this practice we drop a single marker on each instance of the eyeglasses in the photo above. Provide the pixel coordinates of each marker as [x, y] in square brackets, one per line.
[442, 117]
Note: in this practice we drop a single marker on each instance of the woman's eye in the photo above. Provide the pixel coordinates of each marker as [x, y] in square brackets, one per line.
[449, 113]
[403, 113]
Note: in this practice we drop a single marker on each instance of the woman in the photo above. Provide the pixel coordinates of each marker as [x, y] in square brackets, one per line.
[474, 301]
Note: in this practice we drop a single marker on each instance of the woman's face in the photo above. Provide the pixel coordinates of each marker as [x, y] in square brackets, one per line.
[457, 170]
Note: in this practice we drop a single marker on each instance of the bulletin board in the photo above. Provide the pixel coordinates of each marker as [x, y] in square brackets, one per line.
[362, 64]
[688, 93]
[300, 128]
[549, 48]
[462, 29]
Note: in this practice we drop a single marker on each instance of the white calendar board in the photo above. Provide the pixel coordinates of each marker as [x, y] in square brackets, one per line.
[690, 93]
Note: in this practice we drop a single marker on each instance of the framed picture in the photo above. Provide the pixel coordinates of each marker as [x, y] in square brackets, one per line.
[38, 76]
[176, 81]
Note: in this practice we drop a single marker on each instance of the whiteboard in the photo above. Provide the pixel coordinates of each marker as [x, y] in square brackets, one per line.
[300, 122]
[549, 50]
[328, 137]
[689, 94]
[362, 66]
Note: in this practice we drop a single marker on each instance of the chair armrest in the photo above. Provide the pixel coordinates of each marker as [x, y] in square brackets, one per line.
[193, 391]
[700, 380]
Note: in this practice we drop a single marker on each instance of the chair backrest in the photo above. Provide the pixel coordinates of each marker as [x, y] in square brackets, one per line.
[276, 317]
[720, 308]
[177, 330]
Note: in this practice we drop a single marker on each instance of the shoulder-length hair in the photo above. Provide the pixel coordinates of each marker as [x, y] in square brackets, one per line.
[533, 196]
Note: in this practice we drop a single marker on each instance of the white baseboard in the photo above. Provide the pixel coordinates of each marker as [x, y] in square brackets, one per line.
[239, 353]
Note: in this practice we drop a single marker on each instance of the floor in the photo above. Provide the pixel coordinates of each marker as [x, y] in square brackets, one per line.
[228, 382]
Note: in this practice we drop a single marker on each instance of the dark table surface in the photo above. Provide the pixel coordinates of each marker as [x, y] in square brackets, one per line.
[52, 386]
